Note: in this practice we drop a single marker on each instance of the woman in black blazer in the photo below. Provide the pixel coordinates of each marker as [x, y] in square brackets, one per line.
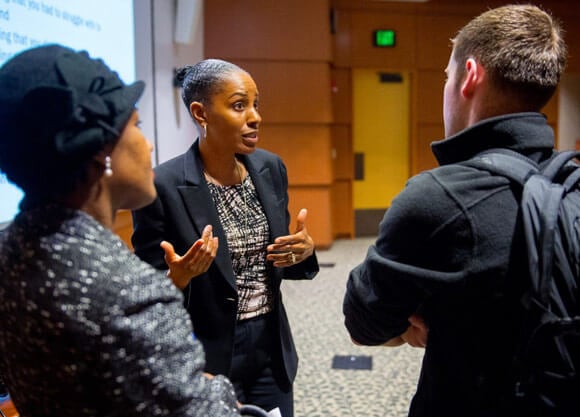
[240, 191]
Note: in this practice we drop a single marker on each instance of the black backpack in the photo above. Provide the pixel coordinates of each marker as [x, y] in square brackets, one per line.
[546, 365]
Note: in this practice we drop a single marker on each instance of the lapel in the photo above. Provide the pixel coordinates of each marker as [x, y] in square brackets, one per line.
[271, 194]
[199, 205]
[272, 199]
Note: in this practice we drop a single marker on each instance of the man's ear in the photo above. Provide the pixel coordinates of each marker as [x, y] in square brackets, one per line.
[197, 111]
[474, 76]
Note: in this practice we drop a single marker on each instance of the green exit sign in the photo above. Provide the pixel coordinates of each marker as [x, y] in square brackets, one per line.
[384, 38]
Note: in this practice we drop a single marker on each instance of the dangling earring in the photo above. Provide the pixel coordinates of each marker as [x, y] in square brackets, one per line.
[108, 169]
[204, 127]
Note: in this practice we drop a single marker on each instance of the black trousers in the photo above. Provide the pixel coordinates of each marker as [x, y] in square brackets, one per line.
[257, 366]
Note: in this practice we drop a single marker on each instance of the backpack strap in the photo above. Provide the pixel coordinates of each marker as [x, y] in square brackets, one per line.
[505, 162]
[540, 209]
[573, 180]
[555, 165]
[573, 176]
[520, 169]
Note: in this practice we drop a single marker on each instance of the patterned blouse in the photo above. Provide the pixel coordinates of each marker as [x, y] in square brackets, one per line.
[88, 329]
[246, 227]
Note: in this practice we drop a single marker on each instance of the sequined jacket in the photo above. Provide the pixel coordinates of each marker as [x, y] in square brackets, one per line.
[87, 329]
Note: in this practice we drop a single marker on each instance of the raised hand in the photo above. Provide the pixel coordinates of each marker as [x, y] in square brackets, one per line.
[196, 260]
[292, 249]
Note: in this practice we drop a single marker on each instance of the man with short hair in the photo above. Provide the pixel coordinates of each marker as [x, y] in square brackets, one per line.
[446, 270]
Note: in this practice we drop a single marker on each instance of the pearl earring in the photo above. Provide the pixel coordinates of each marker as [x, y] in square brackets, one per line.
[108, 169]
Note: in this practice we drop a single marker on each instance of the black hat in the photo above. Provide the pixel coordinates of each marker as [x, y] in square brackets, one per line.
[58, 108]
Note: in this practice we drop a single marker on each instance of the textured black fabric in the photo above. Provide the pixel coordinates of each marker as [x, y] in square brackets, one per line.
[446, 250]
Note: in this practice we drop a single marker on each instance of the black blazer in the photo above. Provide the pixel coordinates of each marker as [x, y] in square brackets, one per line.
[183, 207]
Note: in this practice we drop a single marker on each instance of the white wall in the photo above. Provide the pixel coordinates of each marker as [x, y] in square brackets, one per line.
[569, 112]
[172, 131]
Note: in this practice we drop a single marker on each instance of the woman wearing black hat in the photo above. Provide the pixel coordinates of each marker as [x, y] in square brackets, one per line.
[87, 328]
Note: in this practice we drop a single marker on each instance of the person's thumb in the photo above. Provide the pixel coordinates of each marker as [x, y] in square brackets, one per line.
[167, 247]
[301, 220]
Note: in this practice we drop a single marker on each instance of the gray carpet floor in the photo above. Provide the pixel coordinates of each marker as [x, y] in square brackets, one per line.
[315, 313]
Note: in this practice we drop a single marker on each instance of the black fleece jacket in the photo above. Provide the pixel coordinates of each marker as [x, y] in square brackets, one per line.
[446, 249]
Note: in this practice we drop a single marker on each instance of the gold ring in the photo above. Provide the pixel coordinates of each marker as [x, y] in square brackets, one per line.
[291, 258]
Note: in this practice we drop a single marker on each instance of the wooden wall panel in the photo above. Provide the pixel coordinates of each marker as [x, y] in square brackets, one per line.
[342, 214]
[572, 36]
[342, 152]
[429, 96]
[364, 54]
[434, 35]
[268, 30]
[551, 109]
[292, 92]
[422, 157]
[319, 221]
[551, 112]
[8, 409]
[288, 47]
[342, 38]
[343, 168]
[305, 149]
[341, 89]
